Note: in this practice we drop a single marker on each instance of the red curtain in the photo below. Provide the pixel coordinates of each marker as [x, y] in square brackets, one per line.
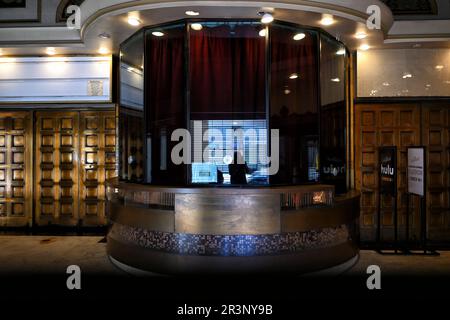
[227, 72]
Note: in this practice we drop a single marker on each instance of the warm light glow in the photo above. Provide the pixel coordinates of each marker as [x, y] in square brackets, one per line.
[299, 36]
[103, 50]
[263, 33]
[7, 60]
[386, 84]
[327, 20]
[158, 33]
[407, 75]
[439, 67]
[267, 18]
[51, 51]
[196, 26]
[133, 21]
[1, 52]
[364, 47]
[192, 13]
[293, 76]
[287, 91]
[361, 35]
[340, 52]
[336, 80]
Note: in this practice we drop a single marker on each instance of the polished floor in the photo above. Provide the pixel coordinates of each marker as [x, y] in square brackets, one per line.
[43, 255]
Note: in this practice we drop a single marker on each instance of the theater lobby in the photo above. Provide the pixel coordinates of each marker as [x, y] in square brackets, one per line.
[235, 154]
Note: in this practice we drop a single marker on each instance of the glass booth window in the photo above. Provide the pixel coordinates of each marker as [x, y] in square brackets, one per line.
[131, 111]
[333, 114]
[227, 102]
[165, 106]
[226, 85]
[294, 103]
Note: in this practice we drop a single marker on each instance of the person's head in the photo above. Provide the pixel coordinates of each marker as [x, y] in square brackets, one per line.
[238, 158]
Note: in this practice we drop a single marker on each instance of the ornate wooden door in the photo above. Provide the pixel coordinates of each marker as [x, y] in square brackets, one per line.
[98, 163]
[436, 137]
[16, 140]
[56, 174]
[378, 125]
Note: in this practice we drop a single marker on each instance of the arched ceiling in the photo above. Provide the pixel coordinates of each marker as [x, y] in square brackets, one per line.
[19, 36]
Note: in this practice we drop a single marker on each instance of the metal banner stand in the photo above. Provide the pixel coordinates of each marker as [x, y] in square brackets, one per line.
[417, 188]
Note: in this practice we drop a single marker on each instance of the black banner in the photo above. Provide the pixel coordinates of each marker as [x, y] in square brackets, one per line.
[388, 170]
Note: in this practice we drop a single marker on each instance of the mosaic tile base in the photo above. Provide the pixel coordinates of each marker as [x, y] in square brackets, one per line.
[235, 245]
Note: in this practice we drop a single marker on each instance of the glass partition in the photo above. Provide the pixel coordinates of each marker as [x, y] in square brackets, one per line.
[228, 84]
[333, 113]
[294, 103]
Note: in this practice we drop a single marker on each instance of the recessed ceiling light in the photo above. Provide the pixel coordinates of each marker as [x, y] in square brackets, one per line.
[262, 32]
[336, 80]
[287, 91]
[104, 35]
[192, 13]
[364, 47]
[133, 21]
[386, 84]
[340, 52]
[361, 35]
[293, 76]
[197, 26]
[428, 85]
[407, 75]
[103, 50]
[439, 67]
[327, 20]
[158, 33]
[51, 51]
[267, 18]
[299, 36]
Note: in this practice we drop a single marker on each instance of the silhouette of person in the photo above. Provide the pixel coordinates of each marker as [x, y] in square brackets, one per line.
[238, 169]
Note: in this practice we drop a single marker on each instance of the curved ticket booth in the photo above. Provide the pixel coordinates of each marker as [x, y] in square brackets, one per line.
[232, 148]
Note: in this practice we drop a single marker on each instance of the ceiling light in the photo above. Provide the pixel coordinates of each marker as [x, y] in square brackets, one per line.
[103, 50]
[364, 47]
[340, 52]
[196, 26]
[104, 35]
[361, 35]
[51, 51]
[428, 85]
[336, 80]
[267, 18]
[192, 13]
[287, 91]
[439, 67]
[407, 75]
[133, 21]
[158, 33]
[386, 84]
[299, 36]
[293, 76]
[262, 32]
[327, 20]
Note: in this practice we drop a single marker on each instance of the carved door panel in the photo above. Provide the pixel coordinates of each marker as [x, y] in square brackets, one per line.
[16, 140]
[98, 163]
[436, 126]
[56, 174]
[380, 125]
